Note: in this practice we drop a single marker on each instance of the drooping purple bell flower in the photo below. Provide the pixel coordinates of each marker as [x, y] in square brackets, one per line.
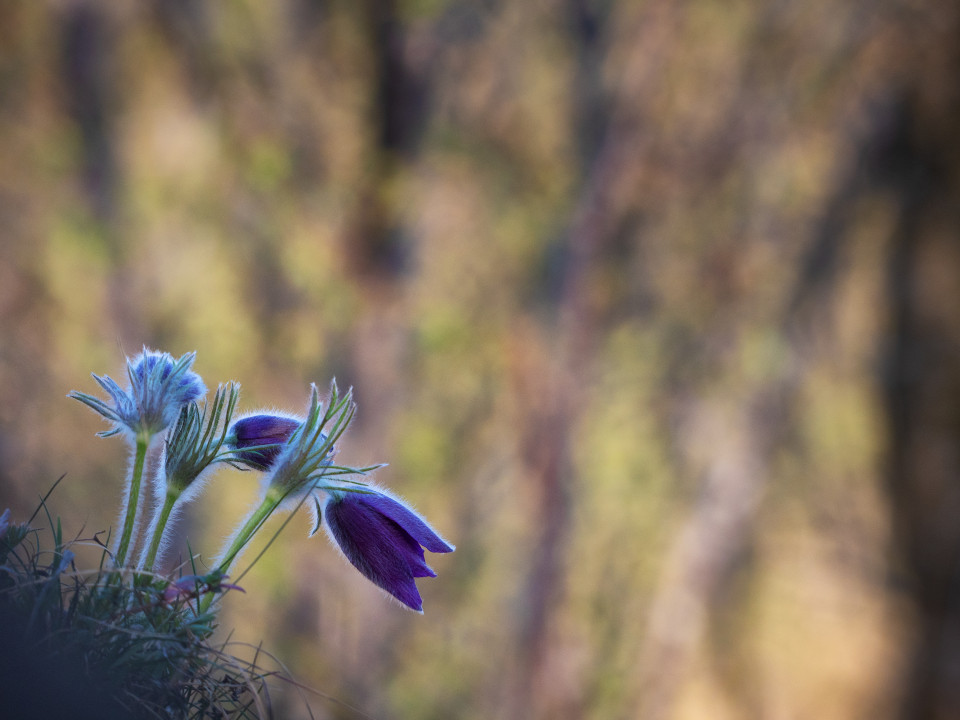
[384, 539]
[266, 433]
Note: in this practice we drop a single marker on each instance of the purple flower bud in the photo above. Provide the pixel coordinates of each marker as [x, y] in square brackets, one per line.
[384, 539]
[258, 430]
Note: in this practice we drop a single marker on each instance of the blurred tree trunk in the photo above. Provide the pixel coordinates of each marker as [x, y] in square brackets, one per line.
[399, 100]
[377, 256]
[910, 157]
[87, 70]
[551, 386]
[374, 242]
[920, 161]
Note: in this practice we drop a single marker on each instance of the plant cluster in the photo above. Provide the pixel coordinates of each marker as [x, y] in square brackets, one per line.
[137, 643]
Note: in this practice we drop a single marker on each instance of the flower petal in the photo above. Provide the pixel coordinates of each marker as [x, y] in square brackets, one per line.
[259, 429]
[377, 546]
[274, 430]
[410, 521]
[159, 388]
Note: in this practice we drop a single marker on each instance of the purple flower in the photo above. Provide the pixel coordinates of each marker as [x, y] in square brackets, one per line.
[383, 539]
[256, 431]
[158, 387]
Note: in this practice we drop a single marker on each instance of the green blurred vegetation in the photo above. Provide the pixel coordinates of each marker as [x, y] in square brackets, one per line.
[612, 312]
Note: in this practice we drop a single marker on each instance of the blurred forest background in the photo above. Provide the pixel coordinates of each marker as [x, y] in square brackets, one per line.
[651, 306]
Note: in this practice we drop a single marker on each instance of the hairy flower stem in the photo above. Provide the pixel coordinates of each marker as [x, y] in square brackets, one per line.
[254, 520]
[160, 526]
[133, 499]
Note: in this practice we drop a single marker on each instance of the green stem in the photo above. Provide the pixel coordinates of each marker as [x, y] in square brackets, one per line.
[256, 519]
[250, 527]
[133, 499]
[161, 525]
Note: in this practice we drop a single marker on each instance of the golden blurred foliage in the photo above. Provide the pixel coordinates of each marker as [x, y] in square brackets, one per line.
[651, 306]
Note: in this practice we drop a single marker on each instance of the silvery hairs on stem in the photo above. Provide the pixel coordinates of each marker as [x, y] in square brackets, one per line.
[193, 448]
[158, 388]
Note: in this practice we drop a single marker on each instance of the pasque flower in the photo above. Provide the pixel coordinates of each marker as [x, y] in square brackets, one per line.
[158, 387]
[259, 438]
[378, 533]
[297, 468]
[384, 539]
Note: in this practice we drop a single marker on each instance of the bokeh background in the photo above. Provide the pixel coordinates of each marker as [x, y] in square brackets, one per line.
[651, 306]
